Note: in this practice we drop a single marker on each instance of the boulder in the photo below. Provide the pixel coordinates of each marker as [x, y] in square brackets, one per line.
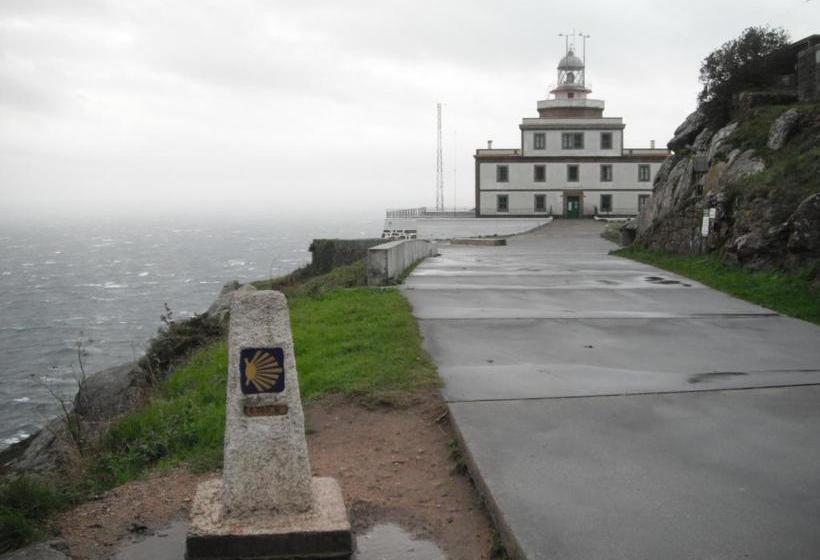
[686, 133]
[742, 165]
[48, 451]
[782, 128]
[108, 393]
[221, 307]
[718, 144]
[702, 139]
[805, 227]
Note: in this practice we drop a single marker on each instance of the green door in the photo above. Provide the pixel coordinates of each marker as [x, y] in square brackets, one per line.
[573, 206]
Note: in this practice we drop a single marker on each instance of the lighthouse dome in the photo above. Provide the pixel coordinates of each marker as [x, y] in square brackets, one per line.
[570, 62]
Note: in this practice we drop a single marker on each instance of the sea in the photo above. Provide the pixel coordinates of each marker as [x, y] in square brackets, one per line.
[95, 291]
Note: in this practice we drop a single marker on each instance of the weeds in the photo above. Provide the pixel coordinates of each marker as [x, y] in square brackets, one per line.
[25, 504]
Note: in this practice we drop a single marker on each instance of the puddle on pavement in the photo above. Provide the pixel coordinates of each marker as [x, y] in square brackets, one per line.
[665, 281]
[165, 544]
[391, 542]
[382, 542]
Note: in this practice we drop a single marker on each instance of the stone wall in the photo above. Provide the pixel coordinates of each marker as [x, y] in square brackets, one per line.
[327, 254]
[387, 262]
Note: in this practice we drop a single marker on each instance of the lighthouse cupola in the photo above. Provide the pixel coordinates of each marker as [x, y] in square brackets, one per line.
[568, 99]
[571, 78]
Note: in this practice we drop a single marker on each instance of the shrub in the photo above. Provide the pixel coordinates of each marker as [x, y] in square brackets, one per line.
[738, 65]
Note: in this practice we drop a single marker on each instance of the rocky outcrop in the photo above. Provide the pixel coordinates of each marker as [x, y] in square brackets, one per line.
[804, 227]
[220, 309]
[106, 395]
[109, 393]
[686, 133]
[782, 129]
[711, 173]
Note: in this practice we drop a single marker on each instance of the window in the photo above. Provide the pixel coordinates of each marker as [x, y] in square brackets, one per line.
[539, 173]
[570, 95]
[502, 203]
[539, 140]
[606, 203]
[502, 173]
[643, 173]
[643, 200]
[540, 203]
[606, 140]
[606, 173]
[572, 140]
[572, 173]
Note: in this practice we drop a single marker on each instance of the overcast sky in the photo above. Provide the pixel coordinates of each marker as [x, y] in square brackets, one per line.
[319, 107]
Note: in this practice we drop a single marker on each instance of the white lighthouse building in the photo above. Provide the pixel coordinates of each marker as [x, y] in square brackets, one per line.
[571, 161]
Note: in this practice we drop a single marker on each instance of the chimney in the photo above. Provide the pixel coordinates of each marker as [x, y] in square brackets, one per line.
[652, 144]
[489, 144]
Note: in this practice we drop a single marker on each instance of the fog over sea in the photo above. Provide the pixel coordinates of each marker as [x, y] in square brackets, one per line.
[107, 281]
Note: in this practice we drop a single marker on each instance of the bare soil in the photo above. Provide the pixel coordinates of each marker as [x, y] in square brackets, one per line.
[394, 464]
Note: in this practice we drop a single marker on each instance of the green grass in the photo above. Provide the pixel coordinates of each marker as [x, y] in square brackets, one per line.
[792, 173]
[25, 504]
[183, 423]
[350, 276]
[790, 294]
[358, 342]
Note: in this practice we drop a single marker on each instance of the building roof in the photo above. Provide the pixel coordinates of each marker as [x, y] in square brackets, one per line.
[570, 62]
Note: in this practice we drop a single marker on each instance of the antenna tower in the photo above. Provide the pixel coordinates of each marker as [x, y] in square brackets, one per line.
[439, 164]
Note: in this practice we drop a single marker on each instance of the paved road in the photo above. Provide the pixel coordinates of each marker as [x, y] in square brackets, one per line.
[614, 410]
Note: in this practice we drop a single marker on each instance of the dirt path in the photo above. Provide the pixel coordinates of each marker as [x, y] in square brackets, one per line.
[394, 465]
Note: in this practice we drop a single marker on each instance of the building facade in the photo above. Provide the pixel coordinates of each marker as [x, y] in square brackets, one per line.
[571, 161]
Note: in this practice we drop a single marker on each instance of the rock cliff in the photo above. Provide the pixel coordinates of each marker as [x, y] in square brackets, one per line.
[758, 178]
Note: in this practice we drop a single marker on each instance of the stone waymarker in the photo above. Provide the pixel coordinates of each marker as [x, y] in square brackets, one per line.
[267, 505]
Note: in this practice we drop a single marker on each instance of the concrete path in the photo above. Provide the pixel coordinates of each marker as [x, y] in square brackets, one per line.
[613, 410]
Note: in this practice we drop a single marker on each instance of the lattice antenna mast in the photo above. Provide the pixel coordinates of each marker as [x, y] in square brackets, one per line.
[439, 163]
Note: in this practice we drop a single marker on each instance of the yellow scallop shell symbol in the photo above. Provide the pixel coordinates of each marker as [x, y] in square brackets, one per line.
[262, 370]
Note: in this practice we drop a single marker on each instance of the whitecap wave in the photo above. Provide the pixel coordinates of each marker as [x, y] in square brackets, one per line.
[16, 438]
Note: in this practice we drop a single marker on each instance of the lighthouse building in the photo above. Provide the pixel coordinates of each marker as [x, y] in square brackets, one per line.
[571, 161]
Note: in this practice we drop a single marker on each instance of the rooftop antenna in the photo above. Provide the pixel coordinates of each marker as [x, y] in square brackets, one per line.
[566, 41]
[439, 163]
[584, 56]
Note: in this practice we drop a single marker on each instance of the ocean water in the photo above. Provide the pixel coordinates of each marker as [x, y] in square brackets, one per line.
[106, 282]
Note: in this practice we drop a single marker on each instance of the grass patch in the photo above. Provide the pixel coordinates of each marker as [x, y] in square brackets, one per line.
[786, 293]
[792, 173]
[358, 342]
[25, 504]
[350, 276]
[183, 423]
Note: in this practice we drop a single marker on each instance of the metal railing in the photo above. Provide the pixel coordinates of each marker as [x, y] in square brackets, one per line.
[424, 212]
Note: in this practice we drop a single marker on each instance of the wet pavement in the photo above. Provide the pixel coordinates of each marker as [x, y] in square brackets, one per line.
[614, 410]
[382, 542]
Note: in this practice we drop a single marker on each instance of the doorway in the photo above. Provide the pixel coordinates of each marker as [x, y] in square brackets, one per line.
[573, 206]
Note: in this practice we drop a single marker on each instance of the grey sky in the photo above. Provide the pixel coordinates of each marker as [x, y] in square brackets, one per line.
[325, 107]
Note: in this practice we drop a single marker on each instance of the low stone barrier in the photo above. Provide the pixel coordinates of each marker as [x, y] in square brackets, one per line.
[386, 262]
